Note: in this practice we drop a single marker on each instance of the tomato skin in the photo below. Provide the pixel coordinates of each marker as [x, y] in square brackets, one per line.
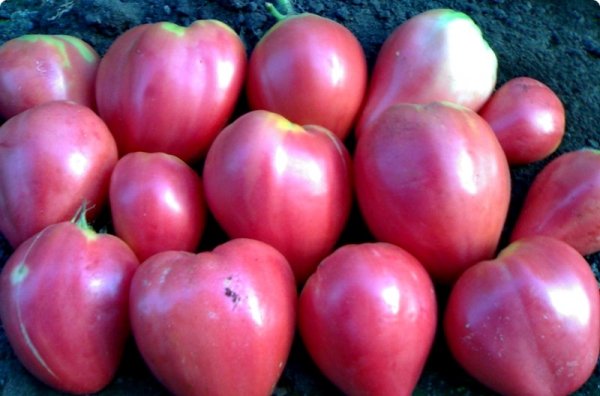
[438, 55]
[563, 202]
[39, 68]
[368, 317]
[528, 322]
[165, 88]
[311, 70]
[53, 158]
[157, 203]
[291, 186]
[219, 322]
[528, 119]
[418, 169]
[64, 306]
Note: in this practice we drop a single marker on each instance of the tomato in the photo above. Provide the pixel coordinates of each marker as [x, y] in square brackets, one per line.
[156, 203]
[53, 158]
[563, 202]
[311, 70]
[438, 55]
[219, 322]
[528, 119]
[39, 68]
[528, 322]
[419, 169]
[289, 186]
[368, 317]
[162, 87]
[64, 305]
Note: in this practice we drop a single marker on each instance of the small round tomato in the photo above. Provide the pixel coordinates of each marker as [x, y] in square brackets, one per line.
[156, 203]
[39, 68]
[368, 317]
[528, 119]
[528, 322]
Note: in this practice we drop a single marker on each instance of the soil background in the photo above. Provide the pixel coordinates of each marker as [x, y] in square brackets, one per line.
[554, 41]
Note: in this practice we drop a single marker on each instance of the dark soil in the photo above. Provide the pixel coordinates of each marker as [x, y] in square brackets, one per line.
[554, 41]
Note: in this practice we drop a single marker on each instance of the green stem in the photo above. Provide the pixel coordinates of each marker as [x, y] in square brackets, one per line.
[284, 5]
[80, 218]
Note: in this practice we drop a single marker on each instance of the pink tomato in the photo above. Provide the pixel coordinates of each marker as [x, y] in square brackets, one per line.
[39, 68]
[433, 180]
[219, 322]
[311, 70]
[166, 88]
[367, 317]
[64, 297]
[528, 119]
[528, 322]
[290, 186]
[156, 203]
[53, 158]
[564, 202]
[438, 55]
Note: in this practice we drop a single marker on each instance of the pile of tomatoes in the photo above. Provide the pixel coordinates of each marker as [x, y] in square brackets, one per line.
[146, 137]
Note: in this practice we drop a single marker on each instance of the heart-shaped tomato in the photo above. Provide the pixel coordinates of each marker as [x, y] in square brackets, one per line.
[434, 180]
[284, 184]
[162, 87]
[64, 296]
[367, 317]
[219, 322]
[528, 322]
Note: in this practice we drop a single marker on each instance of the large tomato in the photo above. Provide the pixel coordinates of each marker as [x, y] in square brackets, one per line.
[165, 88]
[64, 297]
[311, 70]
[368, 317]
[433, 179]
[38, 68]
[438, 55]
[564, 202]
[156, 203]
[528, 119]
[528, 322]
[290, 186]
[53, 158]
[216, 323]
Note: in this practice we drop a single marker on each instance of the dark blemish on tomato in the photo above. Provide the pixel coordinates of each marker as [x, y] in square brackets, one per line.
[232, 295]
